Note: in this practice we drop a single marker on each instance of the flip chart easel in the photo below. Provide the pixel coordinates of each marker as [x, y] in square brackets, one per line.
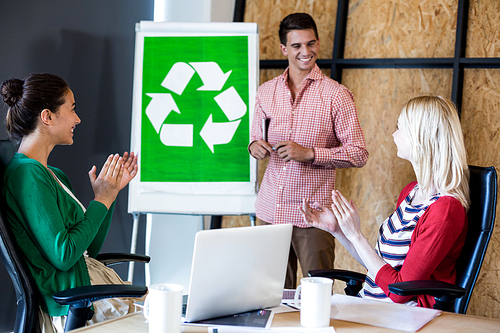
[193, 99]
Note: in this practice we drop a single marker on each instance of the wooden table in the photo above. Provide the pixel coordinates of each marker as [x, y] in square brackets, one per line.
[446, 322]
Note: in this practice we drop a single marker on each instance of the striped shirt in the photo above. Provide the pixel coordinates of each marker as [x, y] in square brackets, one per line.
[322, 116]
[394, 240]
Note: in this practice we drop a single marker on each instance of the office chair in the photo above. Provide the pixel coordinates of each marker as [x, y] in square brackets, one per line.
[79, 299]
[449, 297]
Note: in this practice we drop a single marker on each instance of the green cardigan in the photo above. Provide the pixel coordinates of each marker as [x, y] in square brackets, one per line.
[51, 228]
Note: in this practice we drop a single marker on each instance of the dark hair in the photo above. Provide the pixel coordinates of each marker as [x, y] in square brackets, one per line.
[27, 98]
[296, 21]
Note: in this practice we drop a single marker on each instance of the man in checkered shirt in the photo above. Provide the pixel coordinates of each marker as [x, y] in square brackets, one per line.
[313, 130]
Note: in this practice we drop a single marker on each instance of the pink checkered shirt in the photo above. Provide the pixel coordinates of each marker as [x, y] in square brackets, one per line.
[323, 116]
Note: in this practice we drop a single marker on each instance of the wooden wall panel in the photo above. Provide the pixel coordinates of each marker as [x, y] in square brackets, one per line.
[401, 29]
[483, 34]
[481, 126]
[268, 14]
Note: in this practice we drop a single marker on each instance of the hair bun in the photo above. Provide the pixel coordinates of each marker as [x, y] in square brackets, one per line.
[12, 91]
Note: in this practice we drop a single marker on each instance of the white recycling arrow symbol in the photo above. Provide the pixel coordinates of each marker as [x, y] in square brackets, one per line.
[176, 80]
[212, 76]
[218, 133]
[231, 104]
[159, 108]
[178, 77]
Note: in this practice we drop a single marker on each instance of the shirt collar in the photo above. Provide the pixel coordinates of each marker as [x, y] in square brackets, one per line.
[314, 74]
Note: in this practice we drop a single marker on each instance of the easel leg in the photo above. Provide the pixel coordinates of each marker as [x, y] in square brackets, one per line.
[133, 245]
[252, 220]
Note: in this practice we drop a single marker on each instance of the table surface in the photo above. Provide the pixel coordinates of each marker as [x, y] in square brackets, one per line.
[446, 322]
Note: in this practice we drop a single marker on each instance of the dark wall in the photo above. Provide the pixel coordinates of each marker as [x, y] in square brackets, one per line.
[91, 45]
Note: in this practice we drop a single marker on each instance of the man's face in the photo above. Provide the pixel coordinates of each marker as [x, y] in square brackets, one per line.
[301, 49]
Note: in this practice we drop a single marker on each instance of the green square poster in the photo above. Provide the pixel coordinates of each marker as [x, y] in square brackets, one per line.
[195, 109]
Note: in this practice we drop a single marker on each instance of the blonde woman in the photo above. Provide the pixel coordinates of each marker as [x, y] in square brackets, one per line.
[423, 237]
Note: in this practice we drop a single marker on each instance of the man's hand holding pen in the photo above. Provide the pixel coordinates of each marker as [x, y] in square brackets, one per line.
[287, 150]
[260, 149]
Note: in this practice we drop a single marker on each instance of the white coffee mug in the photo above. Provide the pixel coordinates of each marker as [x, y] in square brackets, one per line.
[163, 308]
[315, 294]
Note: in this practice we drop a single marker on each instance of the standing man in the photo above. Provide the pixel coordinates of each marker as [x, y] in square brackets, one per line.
[313, 130]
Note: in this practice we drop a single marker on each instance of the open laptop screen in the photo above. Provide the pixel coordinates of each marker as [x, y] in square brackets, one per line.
[237, 269]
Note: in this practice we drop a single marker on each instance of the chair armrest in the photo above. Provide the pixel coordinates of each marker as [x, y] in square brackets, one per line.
[80, 300]
[444, 293]
[426, 287]
[339, 274]
[354, 280]
[89, 294]
[109, 259]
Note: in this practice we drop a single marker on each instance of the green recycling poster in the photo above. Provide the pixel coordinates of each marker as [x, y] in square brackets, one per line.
[195, 109]
[193, 99]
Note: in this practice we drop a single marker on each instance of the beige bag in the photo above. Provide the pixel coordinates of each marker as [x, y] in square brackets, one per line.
[104, 309]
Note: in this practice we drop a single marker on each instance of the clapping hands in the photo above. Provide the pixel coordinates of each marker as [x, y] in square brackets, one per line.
[115, 174]
[319, 216]
[343, 218]
[130, 168]
[347, 215]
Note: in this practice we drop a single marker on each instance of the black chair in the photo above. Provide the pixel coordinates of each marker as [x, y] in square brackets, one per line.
[79, 299]
[449, 297]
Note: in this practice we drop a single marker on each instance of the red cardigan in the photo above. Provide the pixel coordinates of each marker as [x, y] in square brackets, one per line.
[436, 243]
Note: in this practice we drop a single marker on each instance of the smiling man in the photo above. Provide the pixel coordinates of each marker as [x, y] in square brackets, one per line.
[313, 130]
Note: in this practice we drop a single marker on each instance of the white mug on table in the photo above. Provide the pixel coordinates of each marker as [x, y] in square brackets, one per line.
[163, 308]
[315, 294]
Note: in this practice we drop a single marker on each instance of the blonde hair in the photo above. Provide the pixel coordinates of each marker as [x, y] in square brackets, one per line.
[437, 146]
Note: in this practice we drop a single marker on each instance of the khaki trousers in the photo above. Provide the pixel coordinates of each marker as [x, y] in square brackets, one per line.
[313, 248]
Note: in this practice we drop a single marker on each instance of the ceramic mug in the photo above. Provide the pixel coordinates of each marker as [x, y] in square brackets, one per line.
[163, 308]
[315, 294]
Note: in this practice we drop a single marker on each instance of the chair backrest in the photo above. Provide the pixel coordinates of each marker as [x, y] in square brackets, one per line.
[481, 215]
[26, 293]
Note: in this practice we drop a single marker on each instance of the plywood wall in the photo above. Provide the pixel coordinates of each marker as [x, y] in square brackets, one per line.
[404, 29]
[401, 29]
[268, 14]
[483, 35]
[481, 125]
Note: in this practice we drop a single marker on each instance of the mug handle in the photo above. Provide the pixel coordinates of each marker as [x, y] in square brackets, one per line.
[296, 297]
[145, 310]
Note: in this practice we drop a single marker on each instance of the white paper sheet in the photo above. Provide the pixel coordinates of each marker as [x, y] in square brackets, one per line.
[376, 313]
[272, 330]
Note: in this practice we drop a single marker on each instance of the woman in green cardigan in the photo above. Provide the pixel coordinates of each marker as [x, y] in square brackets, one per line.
[57, 234]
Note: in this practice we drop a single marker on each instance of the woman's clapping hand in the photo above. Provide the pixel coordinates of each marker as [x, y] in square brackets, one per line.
[346, 213]
[319, 216]
[129, 168]
[106, 185]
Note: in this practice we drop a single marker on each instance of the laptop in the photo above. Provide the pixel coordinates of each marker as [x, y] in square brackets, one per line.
[235, 270]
